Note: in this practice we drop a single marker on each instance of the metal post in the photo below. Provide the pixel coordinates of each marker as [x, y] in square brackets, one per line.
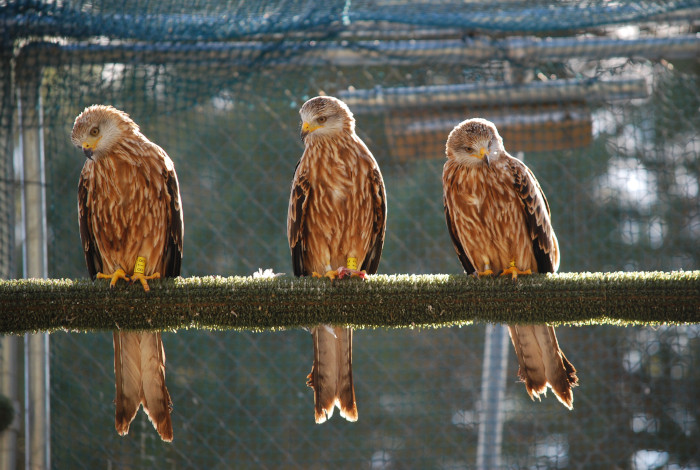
[493, 390]
[34, 254]
[9, 379]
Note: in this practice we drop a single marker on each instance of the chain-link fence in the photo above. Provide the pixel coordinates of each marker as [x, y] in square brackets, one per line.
[600, 99]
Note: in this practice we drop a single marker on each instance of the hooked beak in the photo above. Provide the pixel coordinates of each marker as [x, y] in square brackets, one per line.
[307, 129]
[89, 145]
[484, 155]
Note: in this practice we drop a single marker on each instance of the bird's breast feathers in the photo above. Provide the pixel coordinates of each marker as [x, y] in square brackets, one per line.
[339, 208]
[487, 213]
[129, 209]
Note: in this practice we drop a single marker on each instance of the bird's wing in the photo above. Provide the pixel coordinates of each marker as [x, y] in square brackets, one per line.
[371, 262]
[452, 227]
[296, 218]
[542, 363]
[172, 255]
[463, 258]
[93, 258]
[536, 209]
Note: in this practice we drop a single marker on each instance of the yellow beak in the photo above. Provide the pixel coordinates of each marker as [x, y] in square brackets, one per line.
[89, 145]
[307, 128]
[484, 155]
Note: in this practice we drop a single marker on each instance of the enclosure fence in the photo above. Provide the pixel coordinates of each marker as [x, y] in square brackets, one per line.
[600, 99]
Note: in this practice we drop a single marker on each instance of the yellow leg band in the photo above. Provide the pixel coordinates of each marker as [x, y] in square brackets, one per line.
[352, 263]
[140, 266]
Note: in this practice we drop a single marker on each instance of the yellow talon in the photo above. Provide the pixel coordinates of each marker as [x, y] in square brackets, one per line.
[115, 276]
[340, 273]
[512, 270]
[486, 272]
[332, 274]
[143, 279]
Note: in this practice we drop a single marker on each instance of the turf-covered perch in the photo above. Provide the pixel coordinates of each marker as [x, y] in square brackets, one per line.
[247, 303]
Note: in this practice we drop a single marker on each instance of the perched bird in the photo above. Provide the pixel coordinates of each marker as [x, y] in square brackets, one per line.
[499, 222]
[335, 225]
[131, 228]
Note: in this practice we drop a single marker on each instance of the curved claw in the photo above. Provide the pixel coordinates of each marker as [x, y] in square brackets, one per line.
[144, 279]
[332, 274]
[341, 273]
[347, 272]
[115, 276]
[514, 271]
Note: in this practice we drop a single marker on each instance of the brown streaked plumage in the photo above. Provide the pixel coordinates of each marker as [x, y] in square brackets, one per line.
[499, 222]
[129, 207]
[337, 210]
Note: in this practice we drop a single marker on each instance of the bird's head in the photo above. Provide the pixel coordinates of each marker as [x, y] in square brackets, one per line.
[98, 128]
[474, 142]
[325, 116]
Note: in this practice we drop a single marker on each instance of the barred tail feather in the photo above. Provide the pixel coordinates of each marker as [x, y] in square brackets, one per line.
[529, 356]
[542, 363]
[156, 399]
[127, 372]
[139, 370]
[346, 390]
[331, 374]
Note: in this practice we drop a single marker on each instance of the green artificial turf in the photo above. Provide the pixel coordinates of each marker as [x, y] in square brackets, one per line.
[392, 301]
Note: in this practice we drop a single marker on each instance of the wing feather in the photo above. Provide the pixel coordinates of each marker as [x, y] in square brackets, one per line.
[463, 258]
[172, 255]
[448, 175]
[371, 262]
[295, 220]
[537, 214]
[93, 258]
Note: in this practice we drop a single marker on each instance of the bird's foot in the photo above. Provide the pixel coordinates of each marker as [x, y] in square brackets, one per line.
[486, 272]
[350, 269]
[330, 274]
[340, 273]
[348, 272]
[115, 276]
[514, 271]
[143, 279]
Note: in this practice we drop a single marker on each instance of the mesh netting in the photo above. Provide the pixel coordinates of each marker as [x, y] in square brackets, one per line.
[240, 402]
[600, 99]
[207, 20]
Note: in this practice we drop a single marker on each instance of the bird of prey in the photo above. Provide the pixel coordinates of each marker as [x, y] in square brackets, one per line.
[131, 228]
[499, 222]
[335, 225]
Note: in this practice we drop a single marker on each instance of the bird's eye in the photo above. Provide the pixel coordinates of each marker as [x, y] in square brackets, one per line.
[470, 150]
[94, 131]
[322, 119]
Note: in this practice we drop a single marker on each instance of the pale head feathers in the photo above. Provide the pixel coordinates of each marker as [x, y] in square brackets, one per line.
[324, 117]
[474, 142]
[99, 128]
